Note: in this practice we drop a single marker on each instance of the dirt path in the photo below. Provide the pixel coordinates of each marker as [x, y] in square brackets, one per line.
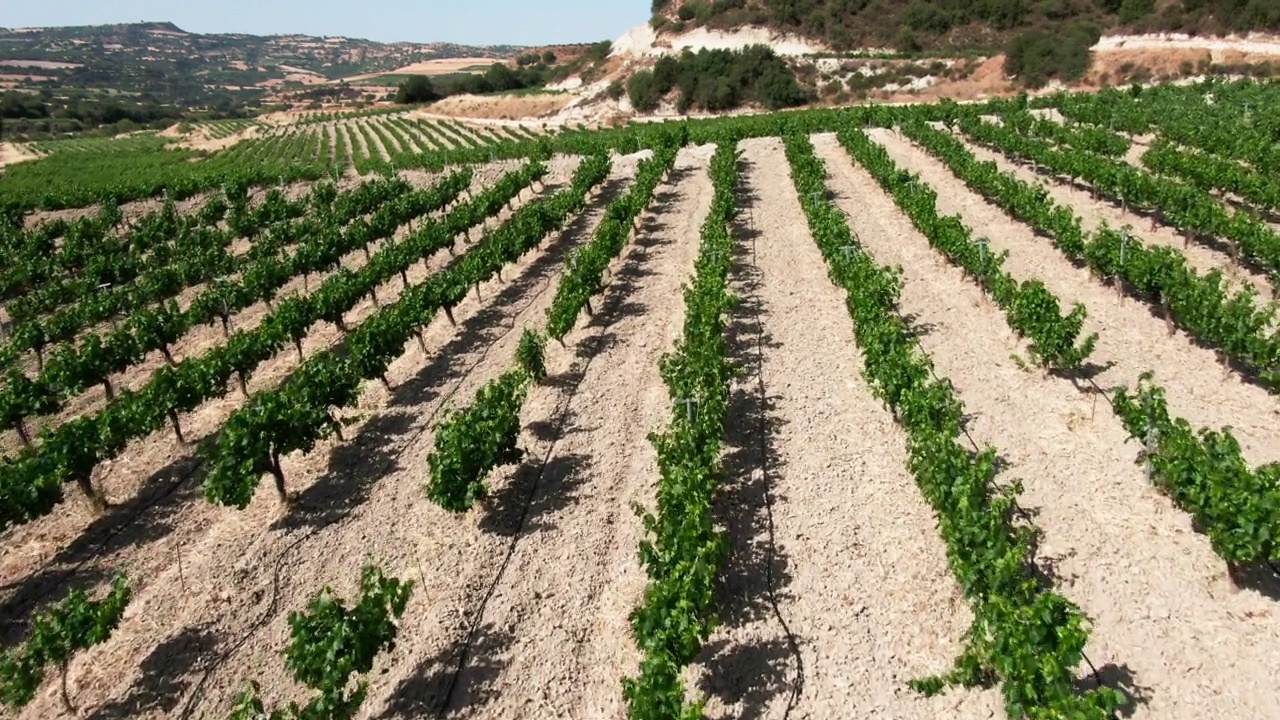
[564, 600]
[378, 147]
[438, 137]
[359, 149]
[860, 575]
[1093, 213]
[412, 136]
[356, 499]
[1131, 337]
[1166, 626]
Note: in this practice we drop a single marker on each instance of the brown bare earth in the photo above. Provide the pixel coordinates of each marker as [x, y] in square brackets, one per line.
[501, 107]
[442, 66]
[15, 152]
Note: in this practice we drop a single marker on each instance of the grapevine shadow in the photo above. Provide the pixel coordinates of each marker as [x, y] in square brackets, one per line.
[536, 492]
[746, 677]
[917, 329]
[439, 685]
[164, 676]
[144, 518]
[50, 585]
[356, 465]
[481, 331]
[353, 469]
[616, 301]
[755, 572]
[619, 298]
[1117, 677]
[1261, 577]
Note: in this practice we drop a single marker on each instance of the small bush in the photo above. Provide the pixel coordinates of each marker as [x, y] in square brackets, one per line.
[1036, 56]
[416, 89]
[906, 41]
[642, 88]
[531, 354]
[599, 52]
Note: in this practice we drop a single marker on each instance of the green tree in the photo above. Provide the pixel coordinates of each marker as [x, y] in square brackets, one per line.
[599, 52]
[502, 78]
[642, 88]
[416, 89]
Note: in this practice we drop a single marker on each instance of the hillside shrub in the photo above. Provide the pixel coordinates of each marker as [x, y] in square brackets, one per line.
[642, 88]
[416, 89]
[1036, 56]
[718, 80]
[1134, 10]
[599, 52]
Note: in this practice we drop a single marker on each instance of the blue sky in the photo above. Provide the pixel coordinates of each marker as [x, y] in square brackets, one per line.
[477, 22]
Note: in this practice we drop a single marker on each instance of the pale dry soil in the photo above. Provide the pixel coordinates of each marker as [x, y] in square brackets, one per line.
[147, 482]
[211, 606]
[1094, 213]
[502, 107]
[824, 519]
[1168, 626]
[14, 153]
[1132, 339]
[553, 640]
[199, 340]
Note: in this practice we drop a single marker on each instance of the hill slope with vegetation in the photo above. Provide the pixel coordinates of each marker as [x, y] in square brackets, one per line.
[1041, 40]
[962, 25]
[58, 80]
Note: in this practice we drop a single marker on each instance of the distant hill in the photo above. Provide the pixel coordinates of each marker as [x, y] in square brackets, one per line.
[166, 64]
[960, 25]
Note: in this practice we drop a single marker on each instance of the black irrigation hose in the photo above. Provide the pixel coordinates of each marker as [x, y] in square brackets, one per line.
[389, 462]
[793, 643]
[478, 615]
[159, 497]
[1026, 516]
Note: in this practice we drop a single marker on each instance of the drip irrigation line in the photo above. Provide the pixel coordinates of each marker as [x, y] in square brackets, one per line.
[1016, 505]
[161, 495]
[478, 616]
[1022, 512]
[793, 643]
[389, 462]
